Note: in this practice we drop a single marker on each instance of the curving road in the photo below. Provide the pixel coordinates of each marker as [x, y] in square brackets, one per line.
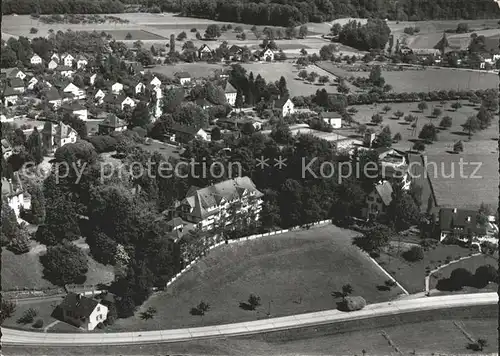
[18, 337]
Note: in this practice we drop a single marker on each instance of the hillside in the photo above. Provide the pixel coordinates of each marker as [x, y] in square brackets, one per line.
[272, 12]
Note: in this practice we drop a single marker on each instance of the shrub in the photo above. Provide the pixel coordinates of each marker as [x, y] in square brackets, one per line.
[390, 283]
[38, 323]
[414, 254]
[33, 30]
[484, 275]
[28, 316]
[253, 301]
[419, 146]
[352, 303]
[194, 29]
[8, 309]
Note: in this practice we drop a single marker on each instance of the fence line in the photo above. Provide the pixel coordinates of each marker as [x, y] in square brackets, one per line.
[245, 238]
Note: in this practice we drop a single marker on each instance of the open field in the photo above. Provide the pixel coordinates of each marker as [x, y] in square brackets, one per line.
[426, 80]
[273, 71]
[470, 189]
[26, 271]
[407, 331]
[292, 273]
[444, 167]
[196, 70]
[141, 35]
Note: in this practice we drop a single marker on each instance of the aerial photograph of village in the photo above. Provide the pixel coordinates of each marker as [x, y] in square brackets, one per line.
[249, 177]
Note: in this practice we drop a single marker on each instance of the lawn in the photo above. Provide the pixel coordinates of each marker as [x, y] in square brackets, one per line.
[273, 71]
[411, 275]
[142, 35]
[406, 330]
[26, 271]
[197, 70]
[430, 79]
[470, 264]
[292, 273]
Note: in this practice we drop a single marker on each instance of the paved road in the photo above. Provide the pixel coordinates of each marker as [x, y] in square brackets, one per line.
[18, 337]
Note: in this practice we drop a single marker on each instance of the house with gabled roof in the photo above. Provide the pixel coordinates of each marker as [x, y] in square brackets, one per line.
[140, 88]
[266, 54]
[57, 135]
[285, 105]
[184, 134]
[55, 57]
[53, 64]
[136, 68]
[204, 52]
[81, 62]
[35, 60]
[111, 124]
[99, 96]
[10, 96]
[17, 84]
[92, 79]
[65, 71]
[332, 118]
[183, 77]
[77, 109]
[53, 97]
[204, 103]
[155, 82]
[6, 148]
[77, 92]
[235, 53]
[461, 224]
[67, 59]
[31, 83]
[14, 193]
[82, 312]
[116, 88]
[119, 100]
[13, 73]
[378, 200]
[209, 206]
[230, 93]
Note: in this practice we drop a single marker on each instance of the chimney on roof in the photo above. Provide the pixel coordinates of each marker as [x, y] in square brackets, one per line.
[274, 102]
[455, 211]
[468, 218]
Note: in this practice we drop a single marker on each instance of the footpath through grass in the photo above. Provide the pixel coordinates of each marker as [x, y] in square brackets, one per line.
[292, 273]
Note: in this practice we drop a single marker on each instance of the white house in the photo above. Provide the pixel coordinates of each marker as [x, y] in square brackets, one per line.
[140, 87]
[230, 93]
[15, 73]
[76, 109]
[111, 124]
[15, 195]
[204, 52]
[65, 71]
[67, 59]
[81, 62]
[53, 97]
[57, 135]
[155, 82]
[285, 105]
[116, 88]
[10, 96]
[207, 206]
[332, 118]
[73, 89]
[184, 134]
[99, 96]
[55, 57]
[31, 83]
[127, 101]
[92, 79]
[266, 55]
[36, 60]
[183, 77]
[82, 312]
[53, 64]
[6, 147]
